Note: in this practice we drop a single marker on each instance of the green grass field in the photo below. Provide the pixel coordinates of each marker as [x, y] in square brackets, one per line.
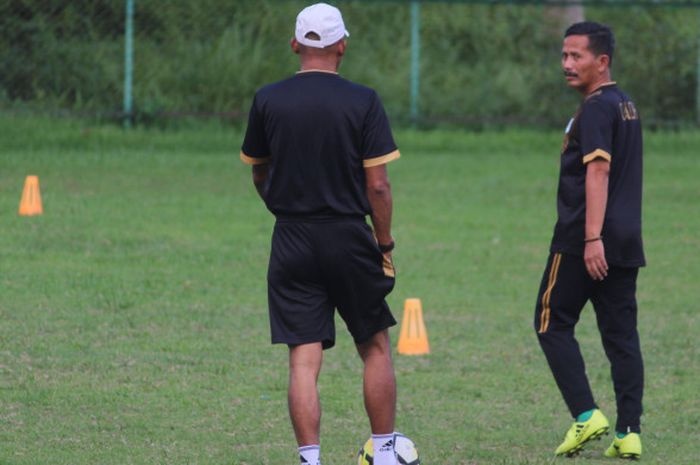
[133, 321]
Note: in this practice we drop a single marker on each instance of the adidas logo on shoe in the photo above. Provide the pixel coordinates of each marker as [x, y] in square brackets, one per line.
[581, 433]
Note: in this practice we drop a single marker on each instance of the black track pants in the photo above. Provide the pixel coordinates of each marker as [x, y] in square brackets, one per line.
[565, 289]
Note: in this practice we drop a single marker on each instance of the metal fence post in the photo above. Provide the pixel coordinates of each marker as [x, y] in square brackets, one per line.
[697, 77]
[128, 63]
[415, 58]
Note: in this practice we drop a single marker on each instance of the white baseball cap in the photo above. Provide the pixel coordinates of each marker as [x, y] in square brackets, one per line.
[324, 20]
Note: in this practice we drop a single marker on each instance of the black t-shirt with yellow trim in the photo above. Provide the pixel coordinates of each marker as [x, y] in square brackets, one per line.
[606, 126]
[318, 131]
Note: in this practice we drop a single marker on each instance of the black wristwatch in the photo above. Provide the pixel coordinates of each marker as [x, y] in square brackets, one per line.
[384, 248]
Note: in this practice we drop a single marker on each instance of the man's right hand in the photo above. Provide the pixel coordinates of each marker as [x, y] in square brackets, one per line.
[379, 197]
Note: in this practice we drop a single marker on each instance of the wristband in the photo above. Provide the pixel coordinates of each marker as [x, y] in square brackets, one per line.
[384, 248]
[593, 239]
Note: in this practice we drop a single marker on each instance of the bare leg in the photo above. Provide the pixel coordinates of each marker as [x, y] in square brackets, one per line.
[304, 404]
[379, 383]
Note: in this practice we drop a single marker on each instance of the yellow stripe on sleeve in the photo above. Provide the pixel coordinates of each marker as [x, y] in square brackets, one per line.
[376, 161]
[597, 153]
[253, 160]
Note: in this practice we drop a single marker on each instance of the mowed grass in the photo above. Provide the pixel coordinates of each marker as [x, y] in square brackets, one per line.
[133, 320]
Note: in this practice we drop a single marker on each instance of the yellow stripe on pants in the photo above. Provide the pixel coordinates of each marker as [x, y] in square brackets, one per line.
[546, 310]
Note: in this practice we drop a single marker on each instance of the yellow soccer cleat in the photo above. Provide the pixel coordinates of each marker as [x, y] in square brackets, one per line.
[629, 447]
[582, 432]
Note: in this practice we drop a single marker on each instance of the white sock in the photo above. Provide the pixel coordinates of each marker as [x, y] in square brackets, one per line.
[308, 455]
[383, 445]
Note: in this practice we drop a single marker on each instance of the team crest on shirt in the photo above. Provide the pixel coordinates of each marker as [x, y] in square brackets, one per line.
[567, 131]
[568, 126]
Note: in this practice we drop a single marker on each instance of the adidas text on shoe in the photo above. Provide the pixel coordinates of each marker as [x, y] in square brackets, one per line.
[582, 432]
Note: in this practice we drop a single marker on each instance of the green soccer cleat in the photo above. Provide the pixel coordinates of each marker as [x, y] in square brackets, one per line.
[629, 447]
[582, 432]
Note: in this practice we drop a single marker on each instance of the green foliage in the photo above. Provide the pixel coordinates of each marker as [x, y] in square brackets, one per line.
[481, 65]
[133, 321]
[657, 59]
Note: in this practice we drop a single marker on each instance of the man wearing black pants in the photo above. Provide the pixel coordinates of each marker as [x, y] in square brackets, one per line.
[597, 248]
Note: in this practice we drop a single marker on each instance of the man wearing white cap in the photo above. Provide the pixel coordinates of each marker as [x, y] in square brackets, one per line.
[319, 145]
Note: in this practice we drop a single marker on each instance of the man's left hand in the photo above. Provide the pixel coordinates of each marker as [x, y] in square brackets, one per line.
[594, 258]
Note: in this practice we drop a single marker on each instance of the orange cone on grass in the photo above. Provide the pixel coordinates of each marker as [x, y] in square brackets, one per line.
[414, 338]
[30, 204]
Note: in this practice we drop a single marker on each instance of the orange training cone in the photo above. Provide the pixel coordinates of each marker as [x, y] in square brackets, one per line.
[31, 198]
[414, 337]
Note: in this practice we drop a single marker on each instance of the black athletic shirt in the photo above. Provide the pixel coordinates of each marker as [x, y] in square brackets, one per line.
[318, 132]
[606, 126]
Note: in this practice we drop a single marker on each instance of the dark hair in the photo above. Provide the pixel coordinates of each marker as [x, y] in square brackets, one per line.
[601, 40]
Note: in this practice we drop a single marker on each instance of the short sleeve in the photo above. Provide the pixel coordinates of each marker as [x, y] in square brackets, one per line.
[596, 131]
[255, 150]
[378, 146]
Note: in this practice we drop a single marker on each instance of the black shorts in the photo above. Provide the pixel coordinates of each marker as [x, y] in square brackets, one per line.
[318, 266]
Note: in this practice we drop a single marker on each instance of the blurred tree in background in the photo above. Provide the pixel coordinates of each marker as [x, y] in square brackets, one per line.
[481, 65]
